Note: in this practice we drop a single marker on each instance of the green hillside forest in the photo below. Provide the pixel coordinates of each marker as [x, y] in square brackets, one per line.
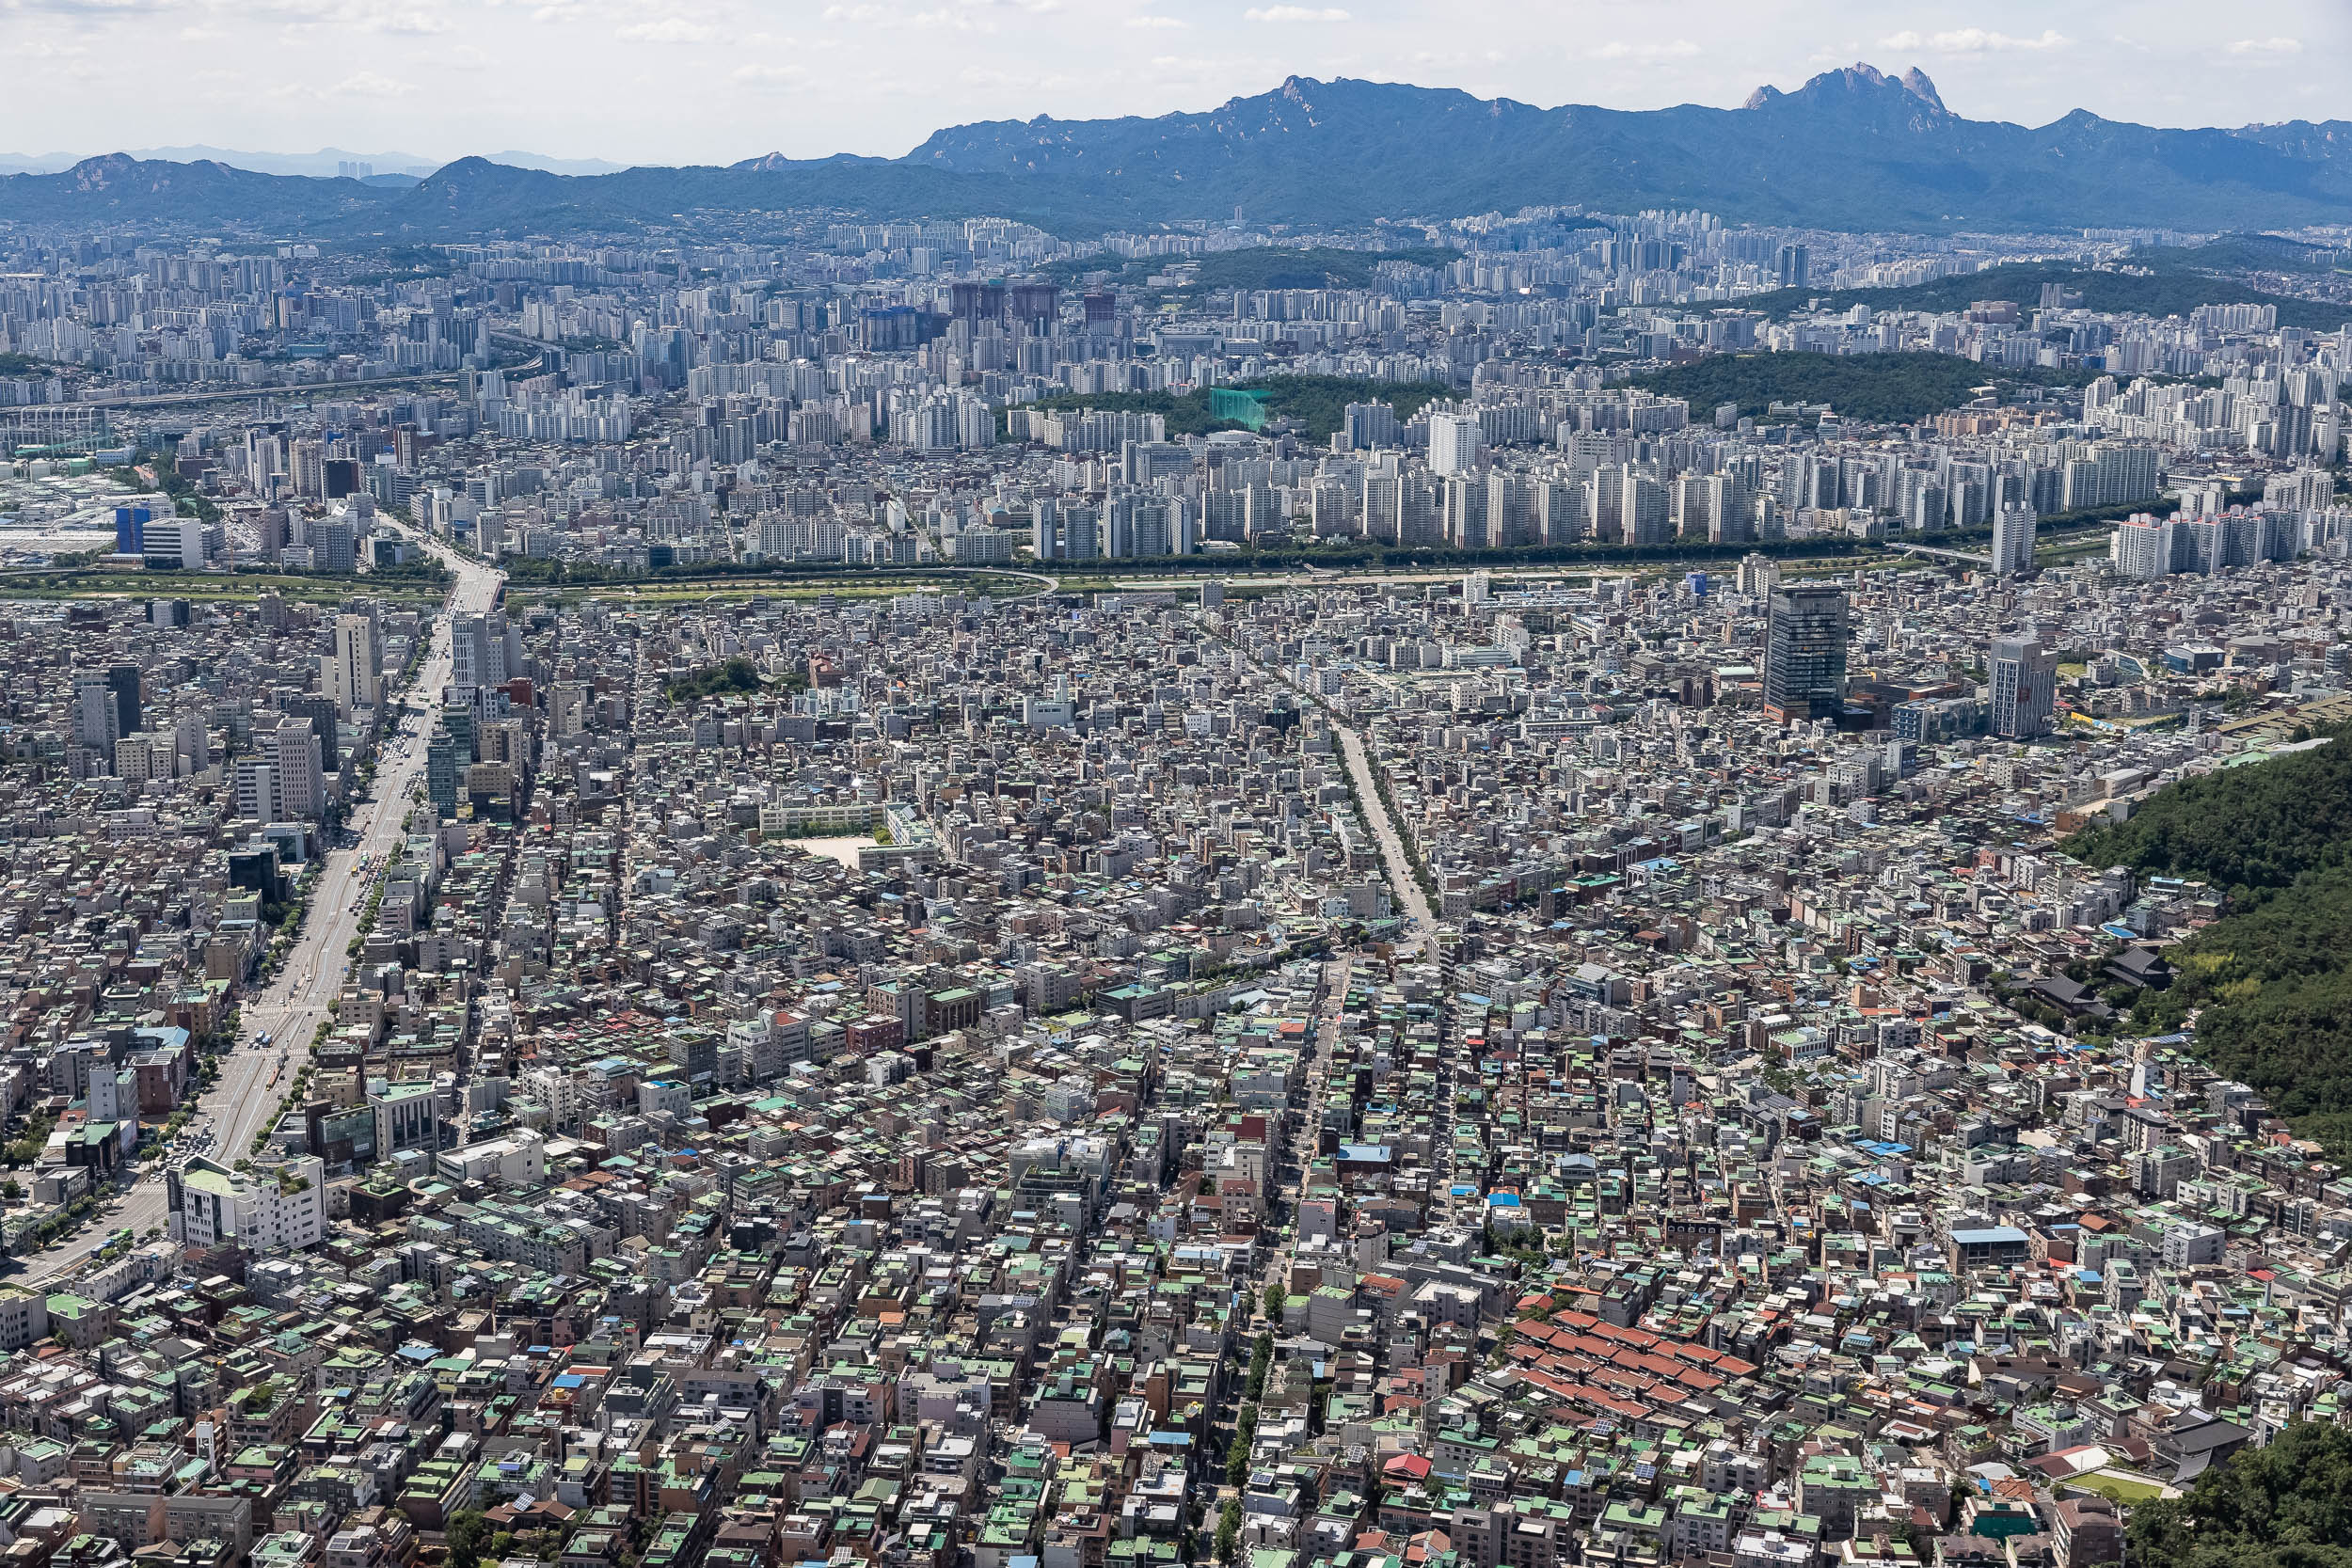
[2285, 1505]
[1885, 389]
[2161, 289]
[2271, 981]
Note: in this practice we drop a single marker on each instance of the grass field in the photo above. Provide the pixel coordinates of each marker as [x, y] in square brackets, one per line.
[2121, 1489]
[214, 587]
[2066, 549]
[669, 596]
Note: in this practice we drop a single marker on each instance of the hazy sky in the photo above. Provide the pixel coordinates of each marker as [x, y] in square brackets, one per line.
[711, 81]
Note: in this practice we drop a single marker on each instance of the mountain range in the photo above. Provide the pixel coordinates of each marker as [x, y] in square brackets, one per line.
[1853, 149]
[403, 168]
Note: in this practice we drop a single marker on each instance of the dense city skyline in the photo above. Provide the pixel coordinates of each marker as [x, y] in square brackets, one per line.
[1371, 829]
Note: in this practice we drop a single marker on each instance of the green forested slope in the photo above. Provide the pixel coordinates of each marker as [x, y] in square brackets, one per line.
[2288, 1505]
[2271, 982]
[1885, 389]
[2255, 828]
[2163, 290]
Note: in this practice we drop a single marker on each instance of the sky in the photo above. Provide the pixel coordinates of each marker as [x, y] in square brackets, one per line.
[713, 81]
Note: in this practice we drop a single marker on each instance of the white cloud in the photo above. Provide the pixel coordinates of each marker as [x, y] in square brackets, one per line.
[960, 20]
[1294, 14]
[670, 29]
[851, 13]
[2267, 46]
[86, 9]
[362, 84]
[1154, 22]
[1680, 49]
[218, 16]
[1974, 40]
[981, 76]
[367, 84]
[771, 76]
[367, 16]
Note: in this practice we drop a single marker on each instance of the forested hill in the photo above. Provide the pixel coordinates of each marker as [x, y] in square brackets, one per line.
[2288, 1505]
[2270, 986]
[2251, 828]
[1887, 388]
[2168, 283]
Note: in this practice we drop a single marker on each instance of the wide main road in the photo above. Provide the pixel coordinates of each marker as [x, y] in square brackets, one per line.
[291, 1007]
[1384, 831]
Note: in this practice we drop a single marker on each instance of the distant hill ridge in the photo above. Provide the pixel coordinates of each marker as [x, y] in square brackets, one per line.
[1854, 149]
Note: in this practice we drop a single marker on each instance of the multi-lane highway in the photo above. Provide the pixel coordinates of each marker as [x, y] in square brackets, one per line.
[290, 1008]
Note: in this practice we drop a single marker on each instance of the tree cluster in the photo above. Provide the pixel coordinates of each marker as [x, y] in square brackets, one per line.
[2288, 1505]
[2270, 984]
